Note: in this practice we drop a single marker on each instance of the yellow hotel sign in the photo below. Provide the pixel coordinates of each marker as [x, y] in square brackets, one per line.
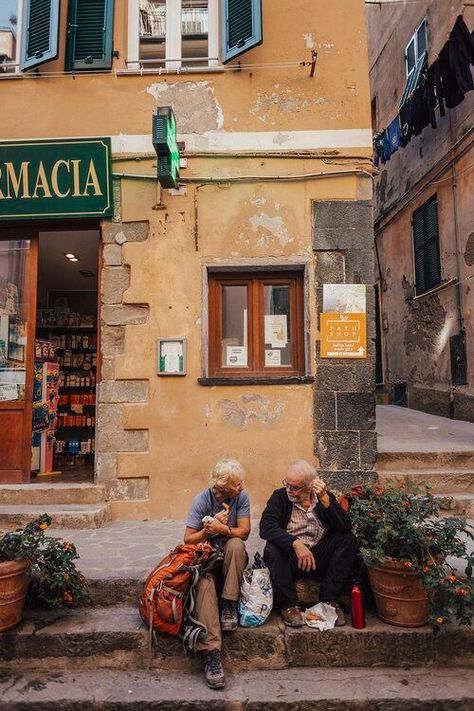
[343, 335]
[68, 177]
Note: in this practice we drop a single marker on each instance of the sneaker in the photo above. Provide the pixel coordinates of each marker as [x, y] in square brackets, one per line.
[213, 671]
[229, 619]
[292, 616]
[341, 618]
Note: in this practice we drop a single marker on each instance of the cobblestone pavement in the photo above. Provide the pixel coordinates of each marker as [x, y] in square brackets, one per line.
[400, 429]
[129, 549]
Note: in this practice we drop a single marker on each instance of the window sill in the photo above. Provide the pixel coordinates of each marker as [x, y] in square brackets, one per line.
[257, 380]
[163, 70]
[439, 287]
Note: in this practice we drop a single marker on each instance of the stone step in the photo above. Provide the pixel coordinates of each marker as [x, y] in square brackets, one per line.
[63, 515]
[344, 689]
[49, 494]
[441, 482]
[115, 637]
[425, 460]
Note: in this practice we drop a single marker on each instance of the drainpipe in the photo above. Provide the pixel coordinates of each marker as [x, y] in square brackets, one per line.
[456, 235]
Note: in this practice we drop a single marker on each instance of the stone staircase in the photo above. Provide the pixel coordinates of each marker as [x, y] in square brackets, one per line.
[70, 505]
[99, 658]
[449, 474]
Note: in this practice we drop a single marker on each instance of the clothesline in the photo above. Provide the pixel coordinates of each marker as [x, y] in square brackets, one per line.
[441, 85]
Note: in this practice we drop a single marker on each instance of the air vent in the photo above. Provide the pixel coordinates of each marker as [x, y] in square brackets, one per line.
[86, 273]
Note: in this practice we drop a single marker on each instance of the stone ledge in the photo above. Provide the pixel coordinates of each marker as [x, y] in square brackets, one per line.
[115, 636]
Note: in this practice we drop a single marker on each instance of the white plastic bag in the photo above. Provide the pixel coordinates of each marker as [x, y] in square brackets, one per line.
[256, 597]
[326, 613]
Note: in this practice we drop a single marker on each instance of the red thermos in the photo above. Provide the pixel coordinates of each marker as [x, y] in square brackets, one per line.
[357, 607]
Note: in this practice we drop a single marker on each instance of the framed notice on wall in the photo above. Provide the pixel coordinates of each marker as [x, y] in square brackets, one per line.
[171, 356]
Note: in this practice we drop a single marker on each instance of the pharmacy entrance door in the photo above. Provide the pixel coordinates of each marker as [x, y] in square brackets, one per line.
[18, 274]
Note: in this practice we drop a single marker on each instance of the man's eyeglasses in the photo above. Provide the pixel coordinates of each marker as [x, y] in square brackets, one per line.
[293, 487]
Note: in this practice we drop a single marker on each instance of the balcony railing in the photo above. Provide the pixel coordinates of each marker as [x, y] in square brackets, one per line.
[194, 21]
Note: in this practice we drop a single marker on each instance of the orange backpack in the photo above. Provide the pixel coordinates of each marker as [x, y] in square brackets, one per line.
[167, 587]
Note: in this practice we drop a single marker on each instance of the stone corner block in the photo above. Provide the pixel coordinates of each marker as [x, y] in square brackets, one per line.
[123, 391]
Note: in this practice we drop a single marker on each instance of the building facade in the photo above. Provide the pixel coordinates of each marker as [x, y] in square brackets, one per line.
[208, 340]
[424, 211]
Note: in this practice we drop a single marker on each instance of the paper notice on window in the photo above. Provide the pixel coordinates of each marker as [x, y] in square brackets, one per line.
[236, 357]
[172, 352]
[276, 331]
[272, 358]
[8, 392]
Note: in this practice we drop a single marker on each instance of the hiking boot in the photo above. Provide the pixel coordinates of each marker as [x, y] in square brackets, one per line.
[213, 671]
[229, 619]
[292, 616]
[341, 618]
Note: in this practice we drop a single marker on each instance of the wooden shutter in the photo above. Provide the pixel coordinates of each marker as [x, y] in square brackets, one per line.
[241, 27]
[89, 35]
[426, 246]
[40, 32]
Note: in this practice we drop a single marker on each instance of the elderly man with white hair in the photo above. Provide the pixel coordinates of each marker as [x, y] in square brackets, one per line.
[307, 534]
[226, 502]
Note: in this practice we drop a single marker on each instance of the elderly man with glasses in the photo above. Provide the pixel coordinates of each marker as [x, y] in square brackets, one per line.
[308, 534]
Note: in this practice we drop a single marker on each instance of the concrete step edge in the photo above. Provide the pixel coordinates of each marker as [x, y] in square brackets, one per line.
[343, 689]
[64, 516]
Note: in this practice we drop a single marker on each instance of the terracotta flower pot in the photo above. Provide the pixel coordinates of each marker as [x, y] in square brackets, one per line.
[399, 595]
[14, 581]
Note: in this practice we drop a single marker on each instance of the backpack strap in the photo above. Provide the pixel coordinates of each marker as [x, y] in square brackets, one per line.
[193, 630]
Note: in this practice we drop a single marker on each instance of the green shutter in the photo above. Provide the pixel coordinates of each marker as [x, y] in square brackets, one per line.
[40, 32]
[241, 27]
[414, 79]
[89, 35]
[426, 246]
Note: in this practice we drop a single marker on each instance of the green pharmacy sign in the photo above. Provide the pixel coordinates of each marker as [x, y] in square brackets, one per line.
[68, 177]
[166, 147]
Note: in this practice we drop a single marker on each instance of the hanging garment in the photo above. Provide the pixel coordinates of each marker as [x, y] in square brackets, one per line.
[429, 94]
[394, 134]
[449, 88]
[420, 114]
[406, 124]
[461, 54]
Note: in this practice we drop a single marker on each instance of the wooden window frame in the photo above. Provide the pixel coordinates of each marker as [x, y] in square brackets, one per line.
[256, 282]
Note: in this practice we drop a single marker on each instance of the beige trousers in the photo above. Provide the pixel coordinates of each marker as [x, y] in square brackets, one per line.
[207, 605]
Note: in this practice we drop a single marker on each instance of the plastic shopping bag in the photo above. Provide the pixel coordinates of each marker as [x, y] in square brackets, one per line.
[256, 595]
[321, 616]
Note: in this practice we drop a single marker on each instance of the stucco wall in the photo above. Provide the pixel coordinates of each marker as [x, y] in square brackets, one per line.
[416, 332]
[159, 437]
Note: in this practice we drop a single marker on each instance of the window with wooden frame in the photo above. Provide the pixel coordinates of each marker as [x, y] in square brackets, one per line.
[256, 324]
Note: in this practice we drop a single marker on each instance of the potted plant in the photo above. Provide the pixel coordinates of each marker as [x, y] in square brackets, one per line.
[44, 566]
[405, 546]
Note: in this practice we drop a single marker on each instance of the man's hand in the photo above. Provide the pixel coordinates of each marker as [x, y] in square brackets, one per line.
[214, 527]
[306, 561]
[223, 516]
[319, 488]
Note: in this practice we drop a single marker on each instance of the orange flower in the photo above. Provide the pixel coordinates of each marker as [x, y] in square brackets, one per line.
[67, 546]
[425, 568]
[439, 620]
[67, 597]
[405, 504]
[43, 526]
[66, 576]
[408, 564]
[460, 591]
[378, 489]
[452, 578]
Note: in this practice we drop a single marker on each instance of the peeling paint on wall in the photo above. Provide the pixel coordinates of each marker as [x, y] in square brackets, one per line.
[282, 100]
[250, 408]
[272, 227]
[194, 103]
[308, 38]
[424, 325]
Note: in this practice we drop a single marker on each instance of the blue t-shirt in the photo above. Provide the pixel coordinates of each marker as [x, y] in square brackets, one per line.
[206, 504]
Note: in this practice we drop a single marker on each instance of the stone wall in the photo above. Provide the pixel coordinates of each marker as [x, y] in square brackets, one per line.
[113, 394]
[344, 407]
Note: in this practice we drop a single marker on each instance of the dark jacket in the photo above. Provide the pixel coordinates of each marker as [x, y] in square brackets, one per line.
[277, 513]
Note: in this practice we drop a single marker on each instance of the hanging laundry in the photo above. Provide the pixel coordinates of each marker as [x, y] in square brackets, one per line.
[461, 54]
[394, 134]
[406, 123]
